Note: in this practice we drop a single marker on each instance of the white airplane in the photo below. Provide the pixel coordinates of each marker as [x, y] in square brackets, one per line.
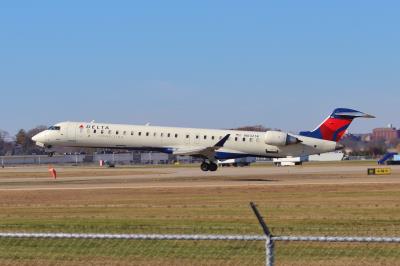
[209, 144]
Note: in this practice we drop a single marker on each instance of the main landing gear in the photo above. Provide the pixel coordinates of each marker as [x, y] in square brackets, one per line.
[209, 166]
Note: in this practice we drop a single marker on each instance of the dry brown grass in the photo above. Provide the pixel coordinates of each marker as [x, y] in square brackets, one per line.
[323, 209]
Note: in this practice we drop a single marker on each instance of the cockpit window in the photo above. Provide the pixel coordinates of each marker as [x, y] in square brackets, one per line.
[54, 128]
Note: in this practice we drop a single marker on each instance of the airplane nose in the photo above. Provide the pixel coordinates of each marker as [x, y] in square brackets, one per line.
[38, 138]
[35, 138]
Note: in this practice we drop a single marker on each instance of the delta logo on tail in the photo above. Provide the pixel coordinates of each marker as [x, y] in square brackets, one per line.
[334, 127]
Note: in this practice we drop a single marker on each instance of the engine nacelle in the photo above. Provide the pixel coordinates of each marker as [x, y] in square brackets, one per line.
[278, 138]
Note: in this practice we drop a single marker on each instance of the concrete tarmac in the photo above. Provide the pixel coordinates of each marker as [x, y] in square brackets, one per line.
[35, 178]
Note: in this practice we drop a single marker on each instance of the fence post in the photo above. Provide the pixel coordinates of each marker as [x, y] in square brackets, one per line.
[269, 243]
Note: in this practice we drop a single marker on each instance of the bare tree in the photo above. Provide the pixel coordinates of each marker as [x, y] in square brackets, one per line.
[24, 143]
[258, 128]
[2, 142]
[6, 144]
[20, 137]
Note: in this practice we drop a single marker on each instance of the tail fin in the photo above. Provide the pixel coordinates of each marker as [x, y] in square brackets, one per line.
[334, 127]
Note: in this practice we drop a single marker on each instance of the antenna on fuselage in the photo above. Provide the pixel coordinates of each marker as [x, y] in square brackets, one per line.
[92, 121]
[147, 124]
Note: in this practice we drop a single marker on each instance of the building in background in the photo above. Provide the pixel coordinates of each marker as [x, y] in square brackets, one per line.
[155, 158]
[389, 133]
[327, 157]
[323, 157]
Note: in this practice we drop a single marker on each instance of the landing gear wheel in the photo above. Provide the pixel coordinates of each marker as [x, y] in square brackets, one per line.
[205, 167]
[213, 167]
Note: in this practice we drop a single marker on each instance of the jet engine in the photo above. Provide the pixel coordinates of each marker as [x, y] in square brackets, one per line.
[278, 138]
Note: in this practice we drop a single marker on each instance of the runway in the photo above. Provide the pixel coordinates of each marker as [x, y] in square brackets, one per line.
[84, 178]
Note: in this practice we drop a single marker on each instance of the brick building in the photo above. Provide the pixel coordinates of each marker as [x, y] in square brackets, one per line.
[388, 133]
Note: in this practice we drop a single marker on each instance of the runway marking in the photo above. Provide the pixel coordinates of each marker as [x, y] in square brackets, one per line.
[244, 184]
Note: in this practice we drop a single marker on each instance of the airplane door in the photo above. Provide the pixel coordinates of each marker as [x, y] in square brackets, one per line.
[71, 133]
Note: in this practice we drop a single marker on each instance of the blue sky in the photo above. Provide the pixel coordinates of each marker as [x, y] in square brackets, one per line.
[216, 64]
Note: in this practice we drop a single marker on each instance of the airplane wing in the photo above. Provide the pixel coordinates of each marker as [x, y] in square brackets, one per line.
[206, 152]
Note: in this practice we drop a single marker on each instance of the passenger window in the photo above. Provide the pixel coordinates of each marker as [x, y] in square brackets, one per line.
[220, 137]
[155, 134]
[116, 132]
[169, 135]
[176, 135]
[94, 131]
[147, 134]
[102, 131]
[124, 132]
[197, 137]
[110, 132]
[244, 139]
[236, 138]
[131, 133]
[205, 137]
[187, 136]
[162, 134]
[140, 133]
[212, 137]
[250, 139]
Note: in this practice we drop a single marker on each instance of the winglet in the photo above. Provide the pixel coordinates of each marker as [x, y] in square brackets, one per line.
[221, 143]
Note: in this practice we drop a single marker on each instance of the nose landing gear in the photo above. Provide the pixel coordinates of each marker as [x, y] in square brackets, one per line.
[212, 167]
[49, 151]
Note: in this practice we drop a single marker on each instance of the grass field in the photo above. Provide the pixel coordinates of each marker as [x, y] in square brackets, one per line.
[350, 209]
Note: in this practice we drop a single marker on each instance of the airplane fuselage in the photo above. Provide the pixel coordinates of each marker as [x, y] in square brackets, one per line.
[173, 139]
[209, 144]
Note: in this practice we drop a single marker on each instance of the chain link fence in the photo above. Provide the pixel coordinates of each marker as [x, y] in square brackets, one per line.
[101, 249]
[292, 250]
[196, 249]
[142, 249]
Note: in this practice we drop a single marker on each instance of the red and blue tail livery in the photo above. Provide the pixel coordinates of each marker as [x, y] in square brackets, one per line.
[334, 127]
